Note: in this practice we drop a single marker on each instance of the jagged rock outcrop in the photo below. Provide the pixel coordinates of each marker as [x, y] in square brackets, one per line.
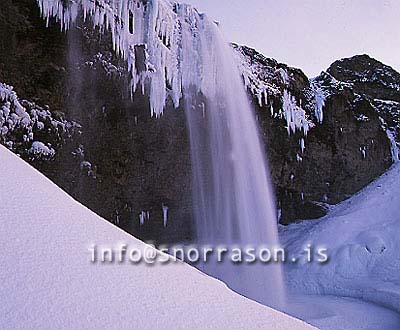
[331, 142]
[368, 77]
[326, 138]
[380, 85]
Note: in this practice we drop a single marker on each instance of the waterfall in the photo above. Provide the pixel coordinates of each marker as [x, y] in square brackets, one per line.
[175, 52]
[233, 200]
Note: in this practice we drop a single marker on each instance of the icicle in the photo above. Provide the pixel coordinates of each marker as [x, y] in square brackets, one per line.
[363, 150]
[302, 145]
[394, 148]
[142, 218]
[319, 104]
[165, 215]
[259, 97]
[296, 117]
[265, 96]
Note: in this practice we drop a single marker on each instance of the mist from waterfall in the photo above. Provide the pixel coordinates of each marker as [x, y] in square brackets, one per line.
[175, 52]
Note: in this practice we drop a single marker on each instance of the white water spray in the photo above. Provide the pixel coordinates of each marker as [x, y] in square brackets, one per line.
[177, 52]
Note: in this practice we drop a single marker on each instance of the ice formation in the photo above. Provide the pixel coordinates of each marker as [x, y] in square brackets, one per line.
[142, 217]
[39, 148]
[264, 78]
[363, 150]
[165, 215]
[393, 146]
[319, 101]
[156, 38]
[296, 117]
[21, 120]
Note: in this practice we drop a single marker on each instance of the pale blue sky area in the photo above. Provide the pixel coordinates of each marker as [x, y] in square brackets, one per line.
[311, 34]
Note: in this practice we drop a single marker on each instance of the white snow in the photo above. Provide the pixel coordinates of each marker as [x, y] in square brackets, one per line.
[340, 313]
[40, 149]
[48, 281]
[21, 115]
[12, 113]
[362, 238]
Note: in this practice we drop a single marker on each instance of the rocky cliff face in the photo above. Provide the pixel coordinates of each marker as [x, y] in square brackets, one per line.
[326, 138]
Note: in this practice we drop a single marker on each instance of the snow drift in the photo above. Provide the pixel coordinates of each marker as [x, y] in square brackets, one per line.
[362, 237]
[48, 280]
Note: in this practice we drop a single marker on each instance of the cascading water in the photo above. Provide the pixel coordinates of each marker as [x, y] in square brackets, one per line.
[176, 53]
[234, 203]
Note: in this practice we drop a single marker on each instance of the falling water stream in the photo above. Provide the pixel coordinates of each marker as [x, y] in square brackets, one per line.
[233, 199]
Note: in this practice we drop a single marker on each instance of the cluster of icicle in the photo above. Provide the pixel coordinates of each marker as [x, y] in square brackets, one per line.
[250, 71]
[295, 115]
[319, 99]
[160, 32]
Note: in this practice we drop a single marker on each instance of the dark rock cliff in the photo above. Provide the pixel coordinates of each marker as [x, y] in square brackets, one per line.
[121, 161]
[346, 145]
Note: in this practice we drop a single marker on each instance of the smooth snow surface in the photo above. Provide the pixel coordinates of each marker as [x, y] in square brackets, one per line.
[338, 313]
[48, 282]
[362, 238]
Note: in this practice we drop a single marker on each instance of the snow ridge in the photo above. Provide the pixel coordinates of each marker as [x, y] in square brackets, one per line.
[63, 289]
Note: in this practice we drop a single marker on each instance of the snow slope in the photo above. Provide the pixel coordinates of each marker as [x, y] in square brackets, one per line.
[362, 236]
[48, 282]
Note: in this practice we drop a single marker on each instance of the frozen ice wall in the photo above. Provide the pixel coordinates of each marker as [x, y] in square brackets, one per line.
[147, 34]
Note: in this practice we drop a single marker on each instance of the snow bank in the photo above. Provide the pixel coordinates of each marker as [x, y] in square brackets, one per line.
[47, 280]
[362, 238]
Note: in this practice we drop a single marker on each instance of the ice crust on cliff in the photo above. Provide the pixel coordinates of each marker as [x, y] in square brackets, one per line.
[166, 45]
[21, 120]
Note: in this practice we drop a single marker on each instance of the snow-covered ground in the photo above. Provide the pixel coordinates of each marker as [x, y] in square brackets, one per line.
[340, 313]
[362, 236]
[48, 282]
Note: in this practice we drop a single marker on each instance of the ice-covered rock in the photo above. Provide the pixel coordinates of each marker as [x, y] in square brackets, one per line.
[23, 122]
